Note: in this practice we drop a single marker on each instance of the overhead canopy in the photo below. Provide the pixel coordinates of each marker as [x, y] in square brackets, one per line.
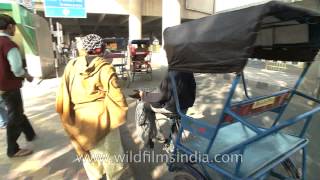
[222, 43]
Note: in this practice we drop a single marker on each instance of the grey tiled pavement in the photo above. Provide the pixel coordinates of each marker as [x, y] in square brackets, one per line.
[54, 157]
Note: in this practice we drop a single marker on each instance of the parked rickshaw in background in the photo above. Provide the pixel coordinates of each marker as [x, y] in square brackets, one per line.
[140, 56]
[116, 49]
[223, 43]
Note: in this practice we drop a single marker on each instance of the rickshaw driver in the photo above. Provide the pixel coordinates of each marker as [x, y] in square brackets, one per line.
[163, 102]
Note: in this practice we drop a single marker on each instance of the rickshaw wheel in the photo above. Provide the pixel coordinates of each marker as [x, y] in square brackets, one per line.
[183, 175]
[187, 174]
[149, 76]
[128, 79]
[149, 72]
[185, 171]
[291, 169]
[131, 73]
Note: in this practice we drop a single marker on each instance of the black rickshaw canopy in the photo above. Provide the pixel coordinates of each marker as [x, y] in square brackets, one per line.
[141, 41]
[120, 41]
[222, 43]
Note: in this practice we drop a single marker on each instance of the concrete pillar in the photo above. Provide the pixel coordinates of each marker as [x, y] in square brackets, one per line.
[66, 38]
[171, 16]
[135, 25]
[59, 33]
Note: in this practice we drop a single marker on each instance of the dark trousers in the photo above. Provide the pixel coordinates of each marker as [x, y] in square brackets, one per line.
[151, 129]
[150, 113]
[17, 121]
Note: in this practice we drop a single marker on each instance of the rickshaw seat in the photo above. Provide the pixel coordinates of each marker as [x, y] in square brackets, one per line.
[171, 115]
[257, 156]
[174, 115]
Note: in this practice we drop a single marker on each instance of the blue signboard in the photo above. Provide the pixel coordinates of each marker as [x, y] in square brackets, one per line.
[65, 8]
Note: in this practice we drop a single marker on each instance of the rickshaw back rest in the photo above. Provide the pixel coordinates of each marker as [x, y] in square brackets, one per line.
[139, 50]
[197, 127]
[260, 105]
[272, 103]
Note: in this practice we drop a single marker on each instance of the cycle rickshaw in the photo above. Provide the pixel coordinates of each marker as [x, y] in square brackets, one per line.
[222, 43]
[116, 49]
[140, 59]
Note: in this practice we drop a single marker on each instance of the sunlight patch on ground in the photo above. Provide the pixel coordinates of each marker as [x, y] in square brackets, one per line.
[159, 171]
[35, 162]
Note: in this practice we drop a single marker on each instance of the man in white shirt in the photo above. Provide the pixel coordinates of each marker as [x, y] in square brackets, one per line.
[12, 74]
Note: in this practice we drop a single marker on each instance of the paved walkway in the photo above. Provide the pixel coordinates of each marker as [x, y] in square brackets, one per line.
[54, 157]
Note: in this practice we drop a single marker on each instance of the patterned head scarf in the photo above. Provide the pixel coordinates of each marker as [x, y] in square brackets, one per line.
[92, 43]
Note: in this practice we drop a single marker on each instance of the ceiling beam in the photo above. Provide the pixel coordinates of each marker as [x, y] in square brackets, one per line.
[76, 21]
[101, 18]
[92, 26]
[91, 23]
[109, 29]
[150, 19]
[79, 26]
[124, 20]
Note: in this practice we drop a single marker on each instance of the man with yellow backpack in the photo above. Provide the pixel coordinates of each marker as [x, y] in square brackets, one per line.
[92, 107]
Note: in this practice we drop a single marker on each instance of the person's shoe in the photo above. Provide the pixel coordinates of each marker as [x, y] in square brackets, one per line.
[161, 139]
[104, 177]
[151, 144]
[3, 127]
[22, 152]
[31, 138]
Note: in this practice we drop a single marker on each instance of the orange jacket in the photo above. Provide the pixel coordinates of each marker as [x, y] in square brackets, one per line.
[82, 102]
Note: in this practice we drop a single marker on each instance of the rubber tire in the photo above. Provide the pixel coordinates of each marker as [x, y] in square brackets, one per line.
[187, 172]
[291, 169]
